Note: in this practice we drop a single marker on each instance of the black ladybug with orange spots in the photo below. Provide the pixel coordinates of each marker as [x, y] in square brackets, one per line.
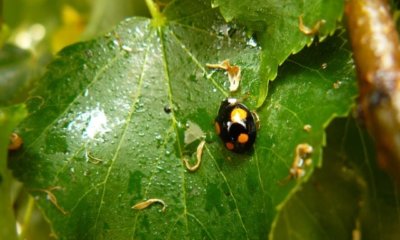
[236, 126]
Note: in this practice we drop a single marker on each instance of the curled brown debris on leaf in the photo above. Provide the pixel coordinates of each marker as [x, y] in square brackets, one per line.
[375, 44]
[199, 154]
[310, 31]
[15, 142]
[302, 159]
[234, 73]
[147, 203]
[52, 198]
[92, 159]
[307, 128]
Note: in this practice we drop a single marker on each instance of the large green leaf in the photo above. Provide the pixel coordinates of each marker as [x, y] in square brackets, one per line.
[100, 140]
[277, 23]
[348, 196]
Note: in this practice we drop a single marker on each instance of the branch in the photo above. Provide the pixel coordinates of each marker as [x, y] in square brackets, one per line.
[375, 45]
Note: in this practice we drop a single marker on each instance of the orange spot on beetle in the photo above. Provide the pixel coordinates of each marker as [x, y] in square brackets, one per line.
[243, 138]
[229, 145]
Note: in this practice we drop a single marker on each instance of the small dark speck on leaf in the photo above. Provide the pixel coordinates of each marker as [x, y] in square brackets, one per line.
[167, 109]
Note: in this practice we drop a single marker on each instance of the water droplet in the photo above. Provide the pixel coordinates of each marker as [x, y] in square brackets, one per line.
[251, 42]
[126, 48]
[116, 42]
[222, 30]
[158, 136]
[89, 53]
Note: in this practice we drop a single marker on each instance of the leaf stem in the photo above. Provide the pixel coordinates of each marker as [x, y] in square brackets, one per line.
[9, 119]
[158, 18]
[27, 217]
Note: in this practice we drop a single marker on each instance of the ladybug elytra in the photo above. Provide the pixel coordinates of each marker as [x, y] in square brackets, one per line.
[236, 126]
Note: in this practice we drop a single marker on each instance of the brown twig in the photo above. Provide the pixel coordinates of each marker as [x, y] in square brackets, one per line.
[375, 45]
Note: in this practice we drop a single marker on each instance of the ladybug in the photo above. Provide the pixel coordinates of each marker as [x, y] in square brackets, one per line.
[236, 125]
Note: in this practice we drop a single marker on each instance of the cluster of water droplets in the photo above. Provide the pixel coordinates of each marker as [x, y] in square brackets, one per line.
[234, 32]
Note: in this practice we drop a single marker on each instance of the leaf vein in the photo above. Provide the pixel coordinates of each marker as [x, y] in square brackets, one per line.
[310, 69]
[168, 131]
[230, 191]
[127, 121]
[199, 65]
[67, 162]
[259, 172]
[168, 81]
[202, 225]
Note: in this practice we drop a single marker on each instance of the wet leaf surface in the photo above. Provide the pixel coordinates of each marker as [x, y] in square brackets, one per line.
[108, 121]
[278, 27]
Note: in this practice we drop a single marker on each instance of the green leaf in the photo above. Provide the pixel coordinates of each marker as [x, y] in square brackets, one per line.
[312, 88]
[277, 22]
[348, 195]
[101, 141]
[9, 119]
